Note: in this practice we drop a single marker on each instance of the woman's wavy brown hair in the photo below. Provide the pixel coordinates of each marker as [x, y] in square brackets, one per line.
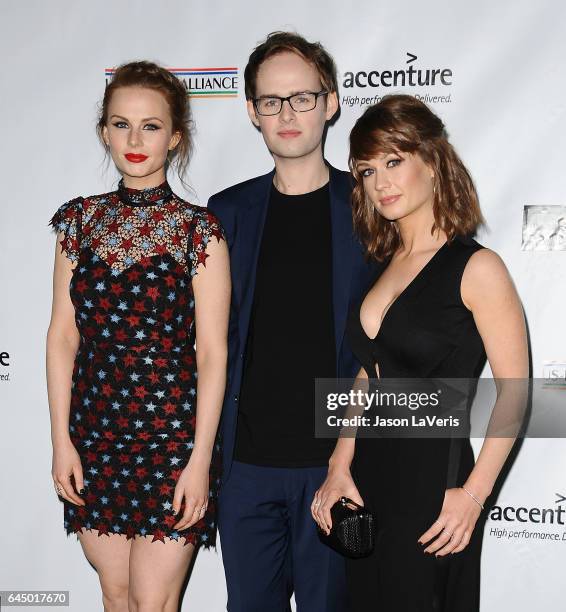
[403, 124]
[152, 76]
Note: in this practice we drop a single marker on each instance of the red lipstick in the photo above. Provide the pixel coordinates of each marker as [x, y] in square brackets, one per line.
[136, 158]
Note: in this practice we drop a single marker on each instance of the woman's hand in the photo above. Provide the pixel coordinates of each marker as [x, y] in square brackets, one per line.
[455, 524]
[338, 483]
[193, 486]
[66, 463]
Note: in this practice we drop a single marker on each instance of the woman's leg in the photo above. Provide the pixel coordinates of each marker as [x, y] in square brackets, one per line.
[110, 556]
[157, 572]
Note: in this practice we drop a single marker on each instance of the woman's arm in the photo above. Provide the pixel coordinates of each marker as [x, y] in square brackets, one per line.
[339, 481]
[212, 291]
[212, 288]
[62, 344]
[488, 291]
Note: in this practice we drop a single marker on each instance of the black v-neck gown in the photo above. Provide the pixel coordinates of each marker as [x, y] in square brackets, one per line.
[426, 332]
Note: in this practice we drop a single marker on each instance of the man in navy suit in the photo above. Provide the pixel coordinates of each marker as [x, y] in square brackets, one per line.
[296, 268]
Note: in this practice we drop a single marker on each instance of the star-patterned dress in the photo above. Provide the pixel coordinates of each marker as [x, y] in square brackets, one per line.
[133, 398]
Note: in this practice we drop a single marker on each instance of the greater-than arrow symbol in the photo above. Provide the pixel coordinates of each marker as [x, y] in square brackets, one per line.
[411, 57]
[560, 498]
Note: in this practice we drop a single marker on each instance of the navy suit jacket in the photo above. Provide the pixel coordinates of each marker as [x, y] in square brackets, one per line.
[242, 210]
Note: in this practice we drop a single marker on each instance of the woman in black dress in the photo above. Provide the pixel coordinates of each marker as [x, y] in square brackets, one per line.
[441, 304]
[140, 274]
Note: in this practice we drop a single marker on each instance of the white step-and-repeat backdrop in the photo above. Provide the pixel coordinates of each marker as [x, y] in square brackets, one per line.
[494, 71]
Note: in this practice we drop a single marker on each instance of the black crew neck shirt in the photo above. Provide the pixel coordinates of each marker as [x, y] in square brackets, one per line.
[291, 335]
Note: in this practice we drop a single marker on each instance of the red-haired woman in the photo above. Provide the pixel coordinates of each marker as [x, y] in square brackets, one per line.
[140, 274]
[441, 304]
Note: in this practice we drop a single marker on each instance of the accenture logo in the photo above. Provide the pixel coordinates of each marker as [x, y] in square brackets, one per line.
[203, 82]
[409, 76]
[520, 514]
[516, 522]
[4, 363]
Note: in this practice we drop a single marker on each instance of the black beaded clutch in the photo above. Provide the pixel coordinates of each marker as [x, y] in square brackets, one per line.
[353, 529]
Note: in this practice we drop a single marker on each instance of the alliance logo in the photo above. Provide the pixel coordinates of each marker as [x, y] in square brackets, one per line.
[410, 76]
[203, 82]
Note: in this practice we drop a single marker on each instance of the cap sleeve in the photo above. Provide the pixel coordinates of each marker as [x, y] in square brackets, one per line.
[204, 226]
[68, 219]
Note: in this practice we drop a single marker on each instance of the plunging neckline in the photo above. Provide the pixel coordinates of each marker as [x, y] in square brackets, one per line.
[399, 295]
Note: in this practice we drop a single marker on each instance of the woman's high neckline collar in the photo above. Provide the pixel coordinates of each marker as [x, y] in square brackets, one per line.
[150, 196]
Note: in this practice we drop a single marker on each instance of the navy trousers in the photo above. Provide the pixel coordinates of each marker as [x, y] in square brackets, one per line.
[270, 546]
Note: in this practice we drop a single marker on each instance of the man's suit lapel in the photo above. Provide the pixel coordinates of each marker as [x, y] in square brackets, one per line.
[342, 252]
[251, 221]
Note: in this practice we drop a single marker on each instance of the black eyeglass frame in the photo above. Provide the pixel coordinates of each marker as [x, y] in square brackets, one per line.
[316, 94]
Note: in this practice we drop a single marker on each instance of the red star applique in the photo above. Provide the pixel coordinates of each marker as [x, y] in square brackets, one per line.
[133, 407]
[102, 529]
[120, 500]
[122, 422]
[133, 275]
[117, 289]
[139, 306]
[153, 293]
[127, 244]
[99, 318]
[159, 535]
[141, 472]
[111, 258]
[158, 423]
[157, 459]
[170, 520]
[140, 392]
[169, 408]
[175, 392]
[165, 489]
[151, 502]
[98, 272]
[176, 473]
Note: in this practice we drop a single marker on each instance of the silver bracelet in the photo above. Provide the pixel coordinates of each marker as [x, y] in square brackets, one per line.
[474, 498]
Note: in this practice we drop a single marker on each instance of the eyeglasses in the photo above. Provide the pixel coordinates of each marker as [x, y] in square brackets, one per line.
[300, 103]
